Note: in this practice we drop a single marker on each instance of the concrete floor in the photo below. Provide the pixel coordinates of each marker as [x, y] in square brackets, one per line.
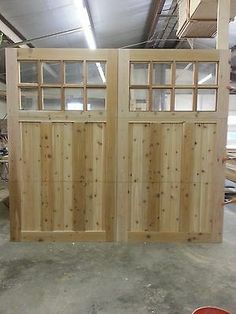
[111, 278]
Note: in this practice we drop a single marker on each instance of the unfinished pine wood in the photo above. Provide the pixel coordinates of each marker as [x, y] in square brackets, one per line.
[31, 169]
[171, 191]
[14, 145]
[118, 175]
[65, 188]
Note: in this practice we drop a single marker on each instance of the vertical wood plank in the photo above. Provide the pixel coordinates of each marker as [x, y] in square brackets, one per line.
[187, 157]
[14, 144]
[223, 18]
[31, 177]
[122, 157]
[58, 176]
[47, 177]
[79, 179]
[68, 176]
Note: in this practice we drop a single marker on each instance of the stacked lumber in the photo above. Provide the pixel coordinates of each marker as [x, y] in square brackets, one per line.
[198, 18]
[230, 169]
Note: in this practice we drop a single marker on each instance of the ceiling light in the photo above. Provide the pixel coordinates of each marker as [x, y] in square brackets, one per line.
[205, 79]
[100, 70]
[87, 28]
[85, 23]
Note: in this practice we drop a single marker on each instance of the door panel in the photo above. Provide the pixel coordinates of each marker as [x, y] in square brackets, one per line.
[170, 146]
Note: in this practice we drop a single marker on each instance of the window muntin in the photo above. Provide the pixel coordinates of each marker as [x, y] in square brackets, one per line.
[63, 85]
[173, 86]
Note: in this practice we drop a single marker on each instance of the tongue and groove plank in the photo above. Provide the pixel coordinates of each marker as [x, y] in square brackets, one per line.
[47, 177]
[31, 183]
[58, 210]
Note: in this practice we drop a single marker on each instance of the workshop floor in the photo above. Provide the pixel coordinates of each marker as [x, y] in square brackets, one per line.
[39, 278]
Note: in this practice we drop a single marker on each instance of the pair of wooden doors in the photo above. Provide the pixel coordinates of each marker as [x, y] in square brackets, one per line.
[116, 145]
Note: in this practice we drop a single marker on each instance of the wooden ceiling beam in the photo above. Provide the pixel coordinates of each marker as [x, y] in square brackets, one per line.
[11, 32]
[152, 20]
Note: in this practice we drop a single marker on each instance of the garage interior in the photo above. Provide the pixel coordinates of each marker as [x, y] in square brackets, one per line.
[118, 149]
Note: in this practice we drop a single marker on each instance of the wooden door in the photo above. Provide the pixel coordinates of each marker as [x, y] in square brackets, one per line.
[86, 166]
[171, 140]
[62, 130]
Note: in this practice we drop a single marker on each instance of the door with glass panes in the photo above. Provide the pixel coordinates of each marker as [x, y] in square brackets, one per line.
[171, 139]
[62, 131]
[116, 145]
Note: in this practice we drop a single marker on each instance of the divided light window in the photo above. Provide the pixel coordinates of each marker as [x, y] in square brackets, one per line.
[62, 85]
[173, 86]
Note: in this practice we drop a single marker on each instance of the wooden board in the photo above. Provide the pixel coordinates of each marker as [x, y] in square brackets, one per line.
[198, 18]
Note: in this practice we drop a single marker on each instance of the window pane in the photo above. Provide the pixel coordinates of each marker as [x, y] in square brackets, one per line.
[207, 73]
[29, 98]
[96, 73]
[206, 100]
[51, 72]
[184, 73]
[74, 98]
[139, 99]
[161, 74]
[183, 99]
[139, 74]
[74, 73]
[96, 99]
[28, 72]
[161, 99]
[51, 98]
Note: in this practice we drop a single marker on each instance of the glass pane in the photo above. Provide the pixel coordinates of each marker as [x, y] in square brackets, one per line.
[28, 72]
[74, 73]
[96, 73]
[51, 98]
[207, 73]
[184, 73]
[161, 74]
[206, 100]
[139, 99]
[183, 99]
[74, 98]
[51, 72]
[161, 99]
[96, 99]
[139, 73]
[29, 98]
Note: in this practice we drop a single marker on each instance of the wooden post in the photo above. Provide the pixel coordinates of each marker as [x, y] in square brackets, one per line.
[223, 17]
[14, 145]
[222, 43]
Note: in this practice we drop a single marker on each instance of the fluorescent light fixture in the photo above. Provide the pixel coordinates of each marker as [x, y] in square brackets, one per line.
[85, 23]
[205, 79]
[87, 28]
[100, 70]
[74, 106]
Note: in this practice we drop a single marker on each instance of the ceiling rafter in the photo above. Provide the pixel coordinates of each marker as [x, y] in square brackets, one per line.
[11, 32]
[152, 20]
